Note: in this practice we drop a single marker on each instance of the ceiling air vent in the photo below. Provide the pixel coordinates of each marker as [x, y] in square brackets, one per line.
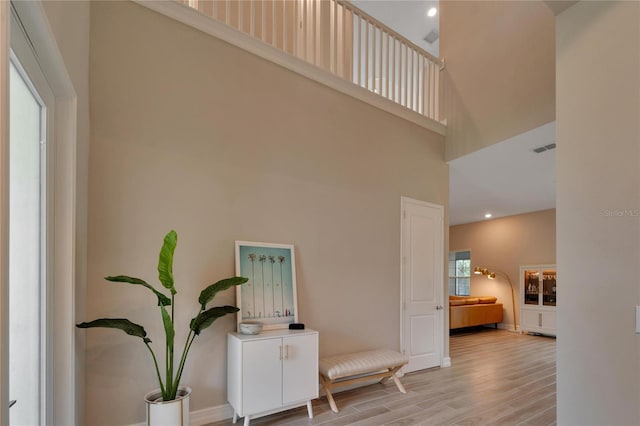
[544, 148]
[431, 37]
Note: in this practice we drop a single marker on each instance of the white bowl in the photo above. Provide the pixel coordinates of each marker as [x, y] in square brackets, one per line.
[250, 327]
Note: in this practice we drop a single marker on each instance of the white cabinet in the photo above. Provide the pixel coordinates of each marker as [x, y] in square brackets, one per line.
[272, 371]
[538, 287]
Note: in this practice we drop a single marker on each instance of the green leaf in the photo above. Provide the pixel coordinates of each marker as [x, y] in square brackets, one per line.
[210, 292]
[206, 318]
[165, 261]
[162, 299]
[168, 327]
[120, 324]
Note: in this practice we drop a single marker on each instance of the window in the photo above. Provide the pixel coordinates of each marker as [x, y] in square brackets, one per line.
[459, 273]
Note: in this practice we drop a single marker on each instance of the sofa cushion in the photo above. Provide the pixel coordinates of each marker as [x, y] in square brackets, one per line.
[471, 300]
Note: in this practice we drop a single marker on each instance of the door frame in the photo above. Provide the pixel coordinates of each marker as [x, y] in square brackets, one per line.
[26, 65]
[444, 361]
[4, 212]
[67, 351]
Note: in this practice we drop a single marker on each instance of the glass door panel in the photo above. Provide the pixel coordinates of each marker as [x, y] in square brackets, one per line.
[531, 287]
[549, 288]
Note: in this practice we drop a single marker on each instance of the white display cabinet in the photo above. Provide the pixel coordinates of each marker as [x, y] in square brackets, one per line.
[538, 289]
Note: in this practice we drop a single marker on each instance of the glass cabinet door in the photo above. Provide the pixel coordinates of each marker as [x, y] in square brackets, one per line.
[531, 287]
[549, 288]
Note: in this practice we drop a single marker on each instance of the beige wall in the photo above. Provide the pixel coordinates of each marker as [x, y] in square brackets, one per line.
[505, 244]
[499, 80]
[598, 213]
[192, 134]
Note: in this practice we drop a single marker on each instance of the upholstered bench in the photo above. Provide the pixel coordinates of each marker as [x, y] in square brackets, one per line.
[357, 367]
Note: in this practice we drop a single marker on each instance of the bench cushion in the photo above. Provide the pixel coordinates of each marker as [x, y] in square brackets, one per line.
[360, 362]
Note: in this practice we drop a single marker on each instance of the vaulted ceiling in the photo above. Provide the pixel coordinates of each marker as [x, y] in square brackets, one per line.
[504, 179]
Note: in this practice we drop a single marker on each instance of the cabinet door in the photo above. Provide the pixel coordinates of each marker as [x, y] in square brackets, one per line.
[530, 320]
[549, 322]
[549, 287]
[531, 293]
[300, 368]
[261, 375]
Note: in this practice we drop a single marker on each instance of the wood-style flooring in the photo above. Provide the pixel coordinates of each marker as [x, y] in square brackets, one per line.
[497, 378]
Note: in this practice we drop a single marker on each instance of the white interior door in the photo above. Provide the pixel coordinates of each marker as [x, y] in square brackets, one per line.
[422, 283]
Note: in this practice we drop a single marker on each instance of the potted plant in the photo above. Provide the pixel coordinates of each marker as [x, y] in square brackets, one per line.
[169, 404]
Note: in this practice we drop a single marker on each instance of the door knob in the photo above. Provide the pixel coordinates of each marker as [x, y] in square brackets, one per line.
[439, 307]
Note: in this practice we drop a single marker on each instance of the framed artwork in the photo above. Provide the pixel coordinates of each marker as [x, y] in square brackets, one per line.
[270, 294]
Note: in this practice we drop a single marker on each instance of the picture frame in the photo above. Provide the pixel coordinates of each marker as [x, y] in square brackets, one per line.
[270, 295]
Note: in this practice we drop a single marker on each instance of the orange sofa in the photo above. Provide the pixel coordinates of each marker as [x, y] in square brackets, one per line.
[471, 311]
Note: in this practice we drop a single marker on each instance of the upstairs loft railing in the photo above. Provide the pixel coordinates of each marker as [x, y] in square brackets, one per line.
[337, 36]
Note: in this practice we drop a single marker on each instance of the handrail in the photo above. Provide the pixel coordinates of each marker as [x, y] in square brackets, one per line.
[356, 9]
[340, 38]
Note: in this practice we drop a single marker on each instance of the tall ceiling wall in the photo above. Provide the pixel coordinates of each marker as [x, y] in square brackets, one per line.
[499, 79]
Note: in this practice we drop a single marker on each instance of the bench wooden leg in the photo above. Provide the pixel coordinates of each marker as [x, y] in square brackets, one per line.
[398, 383]
[396, 380]
[390, 373]
[326, 386]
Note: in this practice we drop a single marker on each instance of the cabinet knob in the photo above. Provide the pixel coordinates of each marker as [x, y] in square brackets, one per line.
[280, 356]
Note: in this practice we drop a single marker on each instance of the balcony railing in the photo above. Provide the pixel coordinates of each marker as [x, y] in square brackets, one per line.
[337, 36]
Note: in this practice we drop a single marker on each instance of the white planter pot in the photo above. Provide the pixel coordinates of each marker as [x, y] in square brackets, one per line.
[168, 413]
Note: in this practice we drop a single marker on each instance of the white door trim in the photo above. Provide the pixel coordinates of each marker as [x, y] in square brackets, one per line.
[444, 362]
[4, 211]
[25, 63]
[66, 351]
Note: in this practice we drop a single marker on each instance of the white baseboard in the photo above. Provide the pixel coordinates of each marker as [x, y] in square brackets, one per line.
[210, 415]
[206, 415]
[508, 327]
[446, 362]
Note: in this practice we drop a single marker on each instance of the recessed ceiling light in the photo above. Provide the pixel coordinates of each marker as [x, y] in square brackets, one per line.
[488, 215]
[432, 12]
